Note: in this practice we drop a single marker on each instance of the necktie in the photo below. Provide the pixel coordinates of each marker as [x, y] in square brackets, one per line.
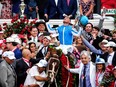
[34, 39]
[68, 2]
[45, 50]
[84, 74]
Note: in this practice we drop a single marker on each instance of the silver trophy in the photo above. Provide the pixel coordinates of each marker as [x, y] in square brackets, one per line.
[22, 8]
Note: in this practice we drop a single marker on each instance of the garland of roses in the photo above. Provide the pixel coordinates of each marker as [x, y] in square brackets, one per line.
[18, 26]
[62, 71]
[108, 78]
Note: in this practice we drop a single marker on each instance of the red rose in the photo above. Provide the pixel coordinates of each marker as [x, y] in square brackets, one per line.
[4, 27]
[4, 24]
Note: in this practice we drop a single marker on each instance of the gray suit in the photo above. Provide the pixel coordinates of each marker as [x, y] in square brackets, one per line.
[7, 75]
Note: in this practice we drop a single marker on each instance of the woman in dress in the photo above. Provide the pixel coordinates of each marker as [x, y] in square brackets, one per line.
[100, 69]
[86, 8]
[6, 12]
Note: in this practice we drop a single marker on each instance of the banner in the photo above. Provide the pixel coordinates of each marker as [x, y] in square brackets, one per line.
[110, 6]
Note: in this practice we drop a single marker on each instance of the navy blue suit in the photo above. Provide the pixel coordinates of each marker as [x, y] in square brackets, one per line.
[51, 9]
[67, 9]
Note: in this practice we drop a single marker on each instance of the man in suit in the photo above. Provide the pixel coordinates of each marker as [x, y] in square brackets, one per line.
[41, 5]
[51, 9]
[111, 55]
[43, 50]
[86, 70]
[67, 8]
[22, 67]
[7, 74]
[16, 7]
[11, 44]
[34, 34]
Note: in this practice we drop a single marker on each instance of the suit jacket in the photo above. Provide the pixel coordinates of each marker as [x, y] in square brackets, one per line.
[41, 5]
[40, 55]
[68, 10]
[7, 75]
[21, 68]
[51, 9]
[92, 73]
[16, 7]
[105, 57]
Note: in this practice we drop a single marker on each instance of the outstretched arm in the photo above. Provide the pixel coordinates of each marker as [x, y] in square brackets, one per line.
[77, 33]
[75, 70]
[50, 29]
[90, 46]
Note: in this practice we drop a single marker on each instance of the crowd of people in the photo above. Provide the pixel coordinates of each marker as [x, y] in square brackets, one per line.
[47, 9]
[24, 63]
[25, 57]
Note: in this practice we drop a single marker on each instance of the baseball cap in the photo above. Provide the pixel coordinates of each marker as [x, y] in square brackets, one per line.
[110, 44]
[9, 54]
[42, 63]
[48, 37]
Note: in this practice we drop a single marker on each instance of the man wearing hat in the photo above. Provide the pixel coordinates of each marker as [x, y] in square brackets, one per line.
[7, 73]
[100, 51]
[37, 76]
[11, 44]
[111, 55]
[41, 26]
[43, 49]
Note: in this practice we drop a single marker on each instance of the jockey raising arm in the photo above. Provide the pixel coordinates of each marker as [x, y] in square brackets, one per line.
[65, 31]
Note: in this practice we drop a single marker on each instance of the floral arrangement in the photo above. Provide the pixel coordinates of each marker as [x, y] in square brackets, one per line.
[108, 78]
[63, 74]
[18, 26]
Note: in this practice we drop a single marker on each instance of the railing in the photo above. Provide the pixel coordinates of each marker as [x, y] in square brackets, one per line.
[108, 22]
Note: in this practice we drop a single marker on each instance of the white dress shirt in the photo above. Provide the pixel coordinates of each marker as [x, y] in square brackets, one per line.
[44, 50]
[56, 2]
[110, 58]
[35, 39]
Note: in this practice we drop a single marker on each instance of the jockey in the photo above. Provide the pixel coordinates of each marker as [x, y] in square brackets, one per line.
[65, 34]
